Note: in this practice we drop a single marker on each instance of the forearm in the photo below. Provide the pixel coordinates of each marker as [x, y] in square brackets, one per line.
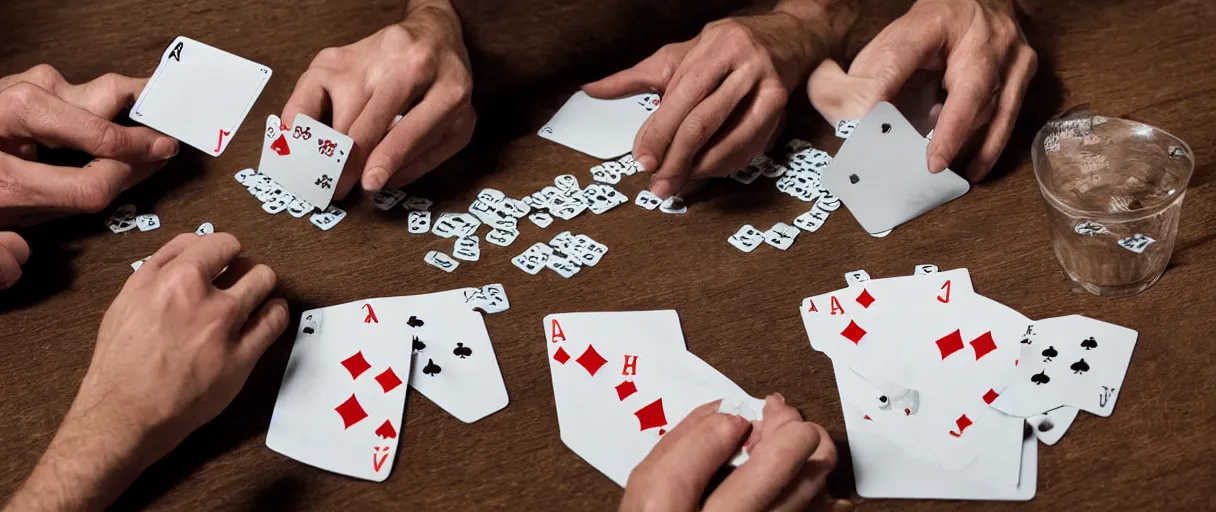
[823, 25]
[83, 468]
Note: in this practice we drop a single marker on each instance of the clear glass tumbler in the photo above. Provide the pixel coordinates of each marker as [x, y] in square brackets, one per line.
[1114, 191]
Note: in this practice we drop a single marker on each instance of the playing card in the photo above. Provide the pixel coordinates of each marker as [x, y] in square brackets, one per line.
[328, 218]
[454, 363]
[307, 159]
[647, 200]
[882, 468]
[746, 239]
[387, 199]
[200, 94]
[419, 221]
[147, 222]
[813, 220]
[1049, 427]
[1070, 360]
[604, 129]
[502, 237]
[467, 248]
[205, 228]
[621, 381]
[340, 404]
[541, 219]
[881, 173]
[781, 235]
[441, 261]
[587, 251]
[533, 259]
[122, 219]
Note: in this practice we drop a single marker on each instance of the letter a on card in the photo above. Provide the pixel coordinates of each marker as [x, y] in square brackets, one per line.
[557, 332]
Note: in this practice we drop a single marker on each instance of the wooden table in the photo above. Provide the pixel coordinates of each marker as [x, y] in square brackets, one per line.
[1151, 60]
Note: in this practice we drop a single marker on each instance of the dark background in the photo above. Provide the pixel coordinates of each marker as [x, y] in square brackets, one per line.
[1149, 60]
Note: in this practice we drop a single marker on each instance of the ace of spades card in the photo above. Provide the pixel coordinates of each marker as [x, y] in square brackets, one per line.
[340, 405]
[200, 94]
[622, 380]
[604, 129]
[454, 362]
[882, 173]
[306, 159]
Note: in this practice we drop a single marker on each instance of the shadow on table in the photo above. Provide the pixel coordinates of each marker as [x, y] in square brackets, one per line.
[55, 245]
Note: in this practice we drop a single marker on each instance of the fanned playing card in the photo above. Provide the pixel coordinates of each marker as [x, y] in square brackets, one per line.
[341, 402]
[604, 129]
[306, 159]
[454, 361]
[881, 173]
[200, 94]
[622, 380]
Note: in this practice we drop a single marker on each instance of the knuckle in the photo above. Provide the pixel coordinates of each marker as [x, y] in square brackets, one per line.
[185, 282]
[327, 56]
[92, 196]
[45, 76]
[721, 427]
[108, 136]
[19, 97]
[395, 36]
[1032, 60]
[696, 127]
[420, 62]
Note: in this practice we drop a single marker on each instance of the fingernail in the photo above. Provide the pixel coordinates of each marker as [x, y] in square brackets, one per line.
[646, 163]
[375, 179]
[937, 164]
[775, 399]
[163, 148]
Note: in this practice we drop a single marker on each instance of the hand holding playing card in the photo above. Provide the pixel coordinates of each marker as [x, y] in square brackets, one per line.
[419, 68]
[724, 93]
[790, 460]
[40, 108]
[172, 351]
[987, 62]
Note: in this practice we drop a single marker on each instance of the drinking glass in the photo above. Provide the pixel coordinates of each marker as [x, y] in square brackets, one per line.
[1114, 191]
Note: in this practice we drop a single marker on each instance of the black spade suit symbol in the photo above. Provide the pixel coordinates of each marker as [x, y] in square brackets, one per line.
[431, 368]
[1079, 366]
[1040, 378]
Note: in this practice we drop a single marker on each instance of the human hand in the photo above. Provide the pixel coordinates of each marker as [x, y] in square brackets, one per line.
[789, 460]
[172, 351]
[181, 337]
[419, 68]
[724, 94]
[14, 252]
[987, 62]
[40, 107]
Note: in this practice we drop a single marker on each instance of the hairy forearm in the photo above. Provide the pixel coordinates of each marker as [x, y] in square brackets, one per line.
[84, 468]
[831, 19]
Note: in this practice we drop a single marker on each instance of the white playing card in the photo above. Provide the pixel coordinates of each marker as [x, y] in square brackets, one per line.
[746, 239]
[340, 404]
[467, 248]
[601, 128]
[306, 159]
[813, 220]
[881, 173]
[328, 218]
[647, 200]
[563, 265]
[502, 237]
[620, 380]
[147, 222]
[533, 259]
[925, 268]
[419, 221]
[586, 251]
[781, 235]
[1070, 360]
[200, 94]
[1049, 427]
[440, 261]
[541, 219]
[205, 228]
[882, 469]
[491, 298]
[454, 363]
[856, 277]
[387, 199]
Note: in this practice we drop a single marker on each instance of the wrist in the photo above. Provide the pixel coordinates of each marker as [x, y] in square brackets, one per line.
[823, 25]
[86, 466]
[434, 11]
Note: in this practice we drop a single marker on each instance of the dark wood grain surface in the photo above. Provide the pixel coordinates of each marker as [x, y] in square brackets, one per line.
[1151, 60]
